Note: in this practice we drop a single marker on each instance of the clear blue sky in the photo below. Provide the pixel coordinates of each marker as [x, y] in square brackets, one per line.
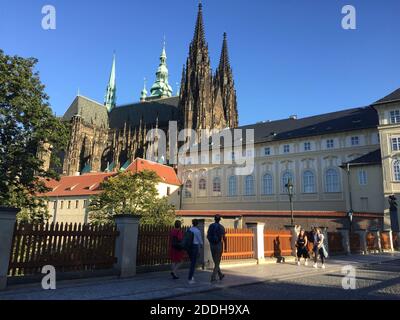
[289, 56]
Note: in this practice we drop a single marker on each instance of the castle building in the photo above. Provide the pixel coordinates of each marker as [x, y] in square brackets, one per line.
[107, 137]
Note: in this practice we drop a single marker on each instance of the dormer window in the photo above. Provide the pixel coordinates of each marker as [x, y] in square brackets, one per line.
[394, 116]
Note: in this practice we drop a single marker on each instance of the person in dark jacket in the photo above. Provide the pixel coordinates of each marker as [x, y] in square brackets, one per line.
[215, 235]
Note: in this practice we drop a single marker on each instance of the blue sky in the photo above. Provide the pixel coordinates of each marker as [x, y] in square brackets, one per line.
[288, 56]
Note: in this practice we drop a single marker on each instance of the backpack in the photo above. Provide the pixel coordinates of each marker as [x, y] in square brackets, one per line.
[187, 241]
[214, 234]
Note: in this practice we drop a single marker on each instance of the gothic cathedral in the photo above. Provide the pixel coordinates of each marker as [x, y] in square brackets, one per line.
[107, 137]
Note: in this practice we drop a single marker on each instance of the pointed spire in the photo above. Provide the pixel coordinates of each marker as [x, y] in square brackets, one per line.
[110, 100]
[199, 38]
[224, 63]
[143, 94]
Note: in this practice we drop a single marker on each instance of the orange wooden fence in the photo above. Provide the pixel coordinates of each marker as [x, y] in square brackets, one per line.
[67, 247]
[335, 243]
[277, 243]
[154, 245]
[239, 244]
[385, 240]
[355, 243]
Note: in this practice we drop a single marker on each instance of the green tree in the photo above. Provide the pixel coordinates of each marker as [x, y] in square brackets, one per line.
[131, 193]
[27, 128]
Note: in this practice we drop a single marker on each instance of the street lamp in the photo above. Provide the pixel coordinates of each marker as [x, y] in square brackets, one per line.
[289, 187]
[350, 216]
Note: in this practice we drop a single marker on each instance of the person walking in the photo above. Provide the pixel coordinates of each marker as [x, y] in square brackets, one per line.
[215, 236]
[301, 245]
[197, 243]
[319, 248]
[176, 249]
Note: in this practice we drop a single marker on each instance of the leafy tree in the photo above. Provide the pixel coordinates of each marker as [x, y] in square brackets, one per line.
[27, 128]
[131, 193]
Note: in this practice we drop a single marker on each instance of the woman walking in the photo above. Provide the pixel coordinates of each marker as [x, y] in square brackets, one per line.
[176, 249]
[301, 245]
[319, 248]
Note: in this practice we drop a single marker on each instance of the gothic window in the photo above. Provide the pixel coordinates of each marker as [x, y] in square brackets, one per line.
[308, 182]
[249, 186]
[267, 184]
[332, 181]
[396, 144]
[232, 186]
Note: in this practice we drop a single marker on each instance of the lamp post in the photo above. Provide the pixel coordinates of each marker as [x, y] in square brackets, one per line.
[289, 187]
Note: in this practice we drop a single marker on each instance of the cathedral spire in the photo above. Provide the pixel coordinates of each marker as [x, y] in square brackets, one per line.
[161, 87]
[224, 64]
[110, 99]
[199, 39]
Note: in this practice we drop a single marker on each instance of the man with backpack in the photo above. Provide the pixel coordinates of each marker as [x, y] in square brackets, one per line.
[215, 235]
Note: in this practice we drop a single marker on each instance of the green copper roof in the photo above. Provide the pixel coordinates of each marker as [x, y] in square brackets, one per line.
[110, 100]
[161, 88]
[143, 94]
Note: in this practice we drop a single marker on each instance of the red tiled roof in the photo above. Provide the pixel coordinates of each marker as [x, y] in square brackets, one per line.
[84, 185]
[88, 184]
[167, 174]
[271, 213]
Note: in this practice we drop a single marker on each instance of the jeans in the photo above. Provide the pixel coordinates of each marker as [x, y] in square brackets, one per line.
[194, 251]
[216, 252]
[319, 251]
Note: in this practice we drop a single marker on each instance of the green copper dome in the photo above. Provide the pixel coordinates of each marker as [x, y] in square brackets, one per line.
[161, 88]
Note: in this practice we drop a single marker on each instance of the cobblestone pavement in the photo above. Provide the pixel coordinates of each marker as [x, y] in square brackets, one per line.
[377, 277]
[380, 281]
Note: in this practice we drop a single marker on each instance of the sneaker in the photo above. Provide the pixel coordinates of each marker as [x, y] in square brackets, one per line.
[323, 266]
[315, 266]
[306, 263]
[191, 281]
[221, 276]
[174, 276]
[298, 263]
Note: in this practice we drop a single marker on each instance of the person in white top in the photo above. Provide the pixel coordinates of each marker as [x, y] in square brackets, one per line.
[319, 248]
[194, 249]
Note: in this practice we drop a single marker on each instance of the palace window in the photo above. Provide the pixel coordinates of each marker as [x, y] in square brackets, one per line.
[267, 184]
[395, 116]
[286, 148]
[362, 177]
[332, 181]
[330, 144]
[308, 182]
[188, 188]
[355, 141]
[307, 146]
[285, 179]
[202, 184]
[217, 184]
[249, 186]
[396, 144]
[396, 170]
[61, 204]
[76, 204]
[267, 151]
[232, 186]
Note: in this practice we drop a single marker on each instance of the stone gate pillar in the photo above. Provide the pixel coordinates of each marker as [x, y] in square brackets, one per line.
[7, 223]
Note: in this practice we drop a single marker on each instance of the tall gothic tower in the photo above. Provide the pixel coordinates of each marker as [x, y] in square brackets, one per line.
[202, 97]
[225, 86]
